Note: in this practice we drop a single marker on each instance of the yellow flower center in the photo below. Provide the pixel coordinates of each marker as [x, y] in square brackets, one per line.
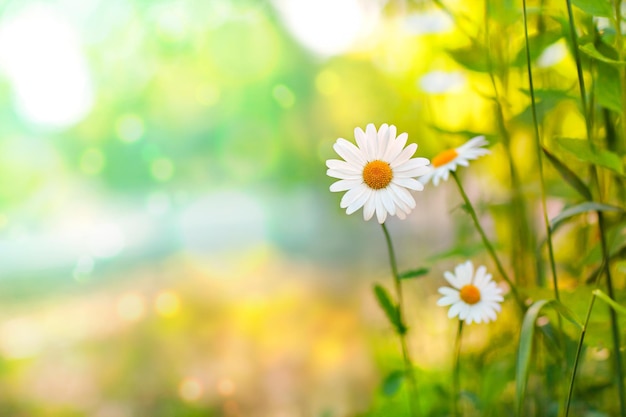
[377, 174]
[470, 294]
[444, 157]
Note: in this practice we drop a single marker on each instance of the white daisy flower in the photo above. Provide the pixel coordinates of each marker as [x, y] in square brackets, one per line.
[377, 174]
[447, 161]
[474, 298]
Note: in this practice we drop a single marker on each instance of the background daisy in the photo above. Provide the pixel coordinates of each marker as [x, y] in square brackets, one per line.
[377, 173]
[474, 298]
[448, 160]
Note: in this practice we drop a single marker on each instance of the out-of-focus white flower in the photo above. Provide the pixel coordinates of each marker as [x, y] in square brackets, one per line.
[474, 298]
[448, 160]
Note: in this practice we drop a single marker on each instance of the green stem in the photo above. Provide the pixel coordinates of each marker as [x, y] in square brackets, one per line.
[604, 267]
[605, 254]
[581, 340]
[613, 315]
[519, 217]
[456, 376]
[577, 357]
[486, 242]
[579, 67]
[408, 363]
[619, 45]
[540, 158]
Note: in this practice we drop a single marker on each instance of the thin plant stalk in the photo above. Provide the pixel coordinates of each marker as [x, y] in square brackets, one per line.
[540, 159]
[408, 363]
[544, 207]
[619, 46]
[456, 377]
[579, 349]
[613, 315]
[581, 339]
[605, 254]
[486, 242]
[519, 216]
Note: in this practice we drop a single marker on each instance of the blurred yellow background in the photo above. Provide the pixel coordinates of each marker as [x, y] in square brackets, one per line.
[168, 242]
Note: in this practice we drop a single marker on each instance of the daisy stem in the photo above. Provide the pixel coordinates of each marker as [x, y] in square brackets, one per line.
[486, 242]
[456, 376]
[408, 363]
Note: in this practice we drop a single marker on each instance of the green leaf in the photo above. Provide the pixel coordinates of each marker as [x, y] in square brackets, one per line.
[393, 382]
[473, 57]
[601, 157]
[601, 8]
[545, 101]
[537, 43]
[616, 240]
[389, 307]
[526, 343]
[591, 50]
[607, 87]
[414, 273]
[578, 209]
[462, 251]
[569, 176]
[617, 307]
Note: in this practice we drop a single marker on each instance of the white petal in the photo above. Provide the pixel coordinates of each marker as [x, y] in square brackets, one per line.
[344, 185]
[448, 291]
[452, 279]
[349, 152]
[464, 310]
[401, 209]
[381, 213]
[383, 140]
[404, 156]
[455, 309]
[343, 175]
[475, 142]
[343, 166]
[427, 176]
[479, 277]
[361, 140]
[391, 137]
[395, 147]
[411, 164]
[369, 207]
[402, 194]
[436, 178]
[360, 201]
[387, 200]
[370, 142]
[352, 195]
[409, 183]
[477, 314]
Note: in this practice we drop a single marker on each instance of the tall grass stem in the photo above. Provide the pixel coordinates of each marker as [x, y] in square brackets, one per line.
[538, 146]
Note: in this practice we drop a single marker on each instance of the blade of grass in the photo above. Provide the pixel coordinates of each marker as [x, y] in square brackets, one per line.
[526, 343]
[539, 158]
[617, 307]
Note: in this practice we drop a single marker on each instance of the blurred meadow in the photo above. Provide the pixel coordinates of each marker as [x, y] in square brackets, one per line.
[169, 245]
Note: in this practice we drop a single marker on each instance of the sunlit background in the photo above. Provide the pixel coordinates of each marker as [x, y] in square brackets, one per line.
[168, 242]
